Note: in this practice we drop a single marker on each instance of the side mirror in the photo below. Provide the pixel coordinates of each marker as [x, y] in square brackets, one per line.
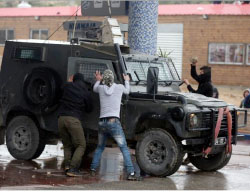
[152, 80]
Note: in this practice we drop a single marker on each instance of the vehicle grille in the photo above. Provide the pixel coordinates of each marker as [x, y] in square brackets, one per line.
[208, 121]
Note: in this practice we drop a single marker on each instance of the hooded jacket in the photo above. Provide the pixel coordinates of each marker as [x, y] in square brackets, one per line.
[205, 86]
[245, 103]
[110, 98]
[75, 99]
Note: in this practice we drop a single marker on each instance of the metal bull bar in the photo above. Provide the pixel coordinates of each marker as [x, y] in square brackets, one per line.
[222, 111]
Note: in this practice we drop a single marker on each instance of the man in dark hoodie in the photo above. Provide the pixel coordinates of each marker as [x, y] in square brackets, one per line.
[75, 100]
[205, 86]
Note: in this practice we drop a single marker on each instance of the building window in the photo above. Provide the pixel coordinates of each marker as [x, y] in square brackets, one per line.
[39, 34]
[226, 53]
[248, 55]
[6, 34]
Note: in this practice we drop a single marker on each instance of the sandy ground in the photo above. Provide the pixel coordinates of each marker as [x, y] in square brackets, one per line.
[230, 94]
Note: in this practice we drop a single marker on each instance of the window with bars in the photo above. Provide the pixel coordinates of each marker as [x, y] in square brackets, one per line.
[88, 69]
[39, 34]
[6, 34]
[166, 72]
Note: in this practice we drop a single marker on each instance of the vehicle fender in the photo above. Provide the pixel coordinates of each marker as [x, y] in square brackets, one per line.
[18, 111]
[150, 120]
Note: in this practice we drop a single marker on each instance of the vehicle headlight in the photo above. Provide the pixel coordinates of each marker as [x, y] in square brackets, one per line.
[241, 118]
[194, 121]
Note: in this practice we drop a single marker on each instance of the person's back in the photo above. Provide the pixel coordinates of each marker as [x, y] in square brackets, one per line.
[110, 99]
[75, 99]
[110, 95]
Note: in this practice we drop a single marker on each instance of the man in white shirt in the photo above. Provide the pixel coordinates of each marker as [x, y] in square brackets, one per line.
[110, 95]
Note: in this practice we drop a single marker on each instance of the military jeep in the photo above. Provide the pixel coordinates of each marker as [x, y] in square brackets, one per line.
[160, 122]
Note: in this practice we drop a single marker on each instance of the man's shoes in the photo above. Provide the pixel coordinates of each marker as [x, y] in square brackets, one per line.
[92, 172]
[133, 177]
[66, 168]
[73, 172]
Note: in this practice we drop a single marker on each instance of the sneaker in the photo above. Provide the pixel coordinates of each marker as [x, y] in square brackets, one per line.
[73, 172]
[66, 168]
[133, 177]
[93, 172]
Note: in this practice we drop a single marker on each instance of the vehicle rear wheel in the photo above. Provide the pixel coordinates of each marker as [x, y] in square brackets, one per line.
[158, 153]
[212, 162]
[24, 139]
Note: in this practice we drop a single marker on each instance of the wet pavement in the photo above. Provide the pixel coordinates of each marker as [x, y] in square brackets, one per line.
[46, 172]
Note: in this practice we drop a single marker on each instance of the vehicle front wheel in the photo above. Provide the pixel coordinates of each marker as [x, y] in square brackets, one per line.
[24, 139]
[158, 153]
[211, 162]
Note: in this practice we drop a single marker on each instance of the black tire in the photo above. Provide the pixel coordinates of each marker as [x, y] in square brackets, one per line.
[41, 88]
[212, 162]
[158, 153]
[24, 140]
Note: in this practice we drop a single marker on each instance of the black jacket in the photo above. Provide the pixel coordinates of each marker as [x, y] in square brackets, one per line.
[205, 86]
[75, 100]
[247, 102]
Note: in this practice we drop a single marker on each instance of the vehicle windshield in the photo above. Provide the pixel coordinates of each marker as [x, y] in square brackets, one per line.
[138, 69]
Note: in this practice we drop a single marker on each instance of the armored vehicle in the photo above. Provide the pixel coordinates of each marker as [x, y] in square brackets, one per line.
[161, 123]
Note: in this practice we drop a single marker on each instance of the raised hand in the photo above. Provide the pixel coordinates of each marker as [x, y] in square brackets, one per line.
[98, 76]
[126, 77]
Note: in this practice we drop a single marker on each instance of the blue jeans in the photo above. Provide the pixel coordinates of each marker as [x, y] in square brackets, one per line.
[111, 129]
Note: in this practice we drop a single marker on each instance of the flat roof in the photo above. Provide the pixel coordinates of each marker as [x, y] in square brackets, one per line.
[39, 11]
[208, 9]
[175, 9]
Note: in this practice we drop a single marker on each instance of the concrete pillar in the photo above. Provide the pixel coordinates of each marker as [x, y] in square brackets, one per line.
[142, 27]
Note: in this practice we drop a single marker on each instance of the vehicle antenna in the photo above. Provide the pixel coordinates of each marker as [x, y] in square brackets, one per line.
[109, 8]
[74, 26]
[63, 22]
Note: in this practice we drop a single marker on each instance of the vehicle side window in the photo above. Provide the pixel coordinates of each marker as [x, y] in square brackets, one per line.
[88, 69]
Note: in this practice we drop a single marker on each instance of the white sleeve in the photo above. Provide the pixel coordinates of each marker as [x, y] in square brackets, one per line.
[95, 88]
[126, 88]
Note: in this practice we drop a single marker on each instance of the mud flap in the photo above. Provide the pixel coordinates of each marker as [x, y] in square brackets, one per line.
[2, 133]
[2, 129]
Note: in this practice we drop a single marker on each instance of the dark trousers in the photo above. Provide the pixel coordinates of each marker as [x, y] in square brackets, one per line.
[73, 140]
